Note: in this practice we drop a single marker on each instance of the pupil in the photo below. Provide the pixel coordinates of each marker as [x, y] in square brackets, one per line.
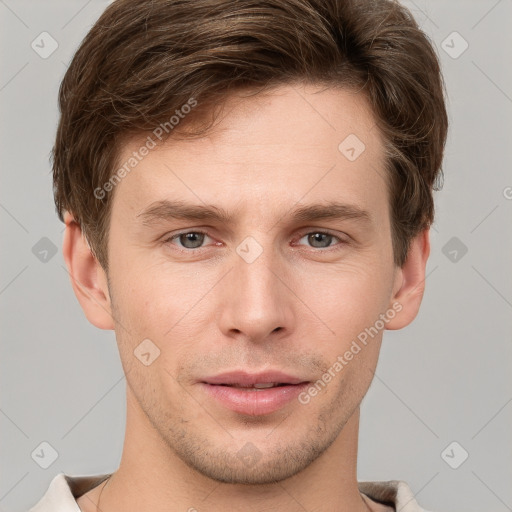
[191, 240]
[317, 236]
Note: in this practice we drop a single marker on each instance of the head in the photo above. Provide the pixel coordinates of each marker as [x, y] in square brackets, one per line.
[298, 143]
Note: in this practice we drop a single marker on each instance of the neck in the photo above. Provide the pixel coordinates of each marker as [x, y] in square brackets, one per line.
[152, 478]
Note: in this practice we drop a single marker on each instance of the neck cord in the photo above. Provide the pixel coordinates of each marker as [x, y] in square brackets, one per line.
[98, 509]
[101, 492]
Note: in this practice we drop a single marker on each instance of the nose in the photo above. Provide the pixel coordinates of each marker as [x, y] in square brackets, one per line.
[256, 302]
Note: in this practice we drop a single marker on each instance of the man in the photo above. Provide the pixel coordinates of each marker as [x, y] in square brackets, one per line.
[247, 194]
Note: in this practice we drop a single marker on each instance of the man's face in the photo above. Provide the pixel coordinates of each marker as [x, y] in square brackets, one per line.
[262, 291]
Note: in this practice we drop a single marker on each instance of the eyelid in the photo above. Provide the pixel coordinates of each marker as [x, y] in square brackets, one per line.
[342, 238]
[339, 236]
[170, 237]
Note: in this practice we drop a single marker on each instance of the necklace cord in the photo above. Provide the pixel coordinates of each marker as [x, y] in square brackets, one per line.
[98, 509]
[101, 492]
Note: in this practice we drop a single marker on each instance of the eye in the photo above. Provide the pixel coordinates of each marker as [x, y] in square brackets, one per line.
[321, 239]
[188, 239]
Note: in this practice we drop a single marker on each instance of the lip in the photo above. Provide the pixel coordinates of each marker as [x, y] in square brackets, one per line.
[243, 378]
[250, 401]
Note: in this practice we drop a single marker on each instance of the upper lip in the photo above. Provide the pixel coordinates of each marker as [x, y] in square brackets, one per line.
[243, 378]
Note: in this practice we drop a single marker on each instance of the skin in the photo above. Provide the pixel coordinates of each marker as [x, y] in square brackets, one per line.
[209, 311]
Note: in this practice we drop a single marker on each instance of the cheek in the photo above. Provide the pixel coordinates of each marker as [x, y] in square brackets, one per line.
[161, 304]
[152, 297]
[348, 302]
[347, 297]
[175, 305]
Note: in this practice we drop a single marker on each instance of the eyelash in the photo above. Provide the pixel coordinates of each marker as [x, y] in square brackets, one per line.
[168, 240]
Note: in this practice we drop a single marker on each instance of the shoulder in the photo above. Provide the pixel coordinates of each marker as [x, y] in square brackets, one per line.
[393, 493]
[64, 490]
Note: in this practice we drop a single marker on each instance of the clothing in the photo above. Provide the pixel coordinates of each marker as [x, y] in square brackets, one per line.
[64, 489]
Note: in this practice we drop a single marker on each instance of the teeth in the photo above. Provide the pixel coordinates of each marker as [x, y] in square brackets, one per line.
[260, 385]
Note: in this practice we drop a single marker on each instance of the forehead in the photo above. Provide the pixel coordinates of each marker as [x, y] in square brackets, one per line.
[291, 142]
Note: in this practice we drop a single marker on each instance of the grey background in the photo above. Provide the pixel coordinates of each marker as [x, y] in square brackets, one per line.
[445, 378]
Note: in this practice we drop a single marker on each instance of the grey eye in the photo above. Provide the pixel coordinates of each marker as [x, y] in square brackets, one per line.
[191, 240]
[319, 240]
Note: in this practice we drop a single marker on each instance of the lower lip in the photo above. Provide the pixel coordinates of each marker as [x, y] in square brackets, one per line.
[254, 403]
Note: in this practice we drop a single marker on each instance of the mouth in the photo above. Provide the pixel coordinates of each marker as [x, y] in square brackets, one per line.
[258, 386]
[261, 380]
[253, 394]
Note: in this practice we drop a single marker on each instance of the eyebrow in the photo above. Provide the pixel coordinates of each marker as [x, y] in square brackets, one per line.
[165, 210]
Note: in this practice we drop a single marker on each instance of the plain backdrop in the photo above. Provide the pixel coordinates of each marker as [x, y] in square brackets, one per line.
[438, 414]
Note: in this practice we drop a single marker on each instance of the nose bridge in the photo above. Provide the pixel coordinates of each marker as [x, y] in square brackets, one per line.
[256, 302]
[255, 266]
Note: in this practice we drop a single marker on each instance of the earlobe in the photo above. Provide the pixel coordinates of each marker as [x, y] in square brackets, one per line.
[410, 282]
[88, 278]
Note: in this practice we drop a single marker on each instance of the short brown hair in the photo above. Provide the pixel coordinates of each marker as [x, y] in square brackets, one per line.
[142, 60]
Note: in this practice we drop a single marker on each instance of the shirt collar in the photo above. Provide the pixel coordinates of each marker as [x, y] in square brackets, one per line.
[65, 489]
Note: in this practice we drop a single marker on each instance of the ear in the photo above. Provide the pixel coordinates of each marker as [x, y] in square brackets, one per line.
[410, 282]
[88, 278]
